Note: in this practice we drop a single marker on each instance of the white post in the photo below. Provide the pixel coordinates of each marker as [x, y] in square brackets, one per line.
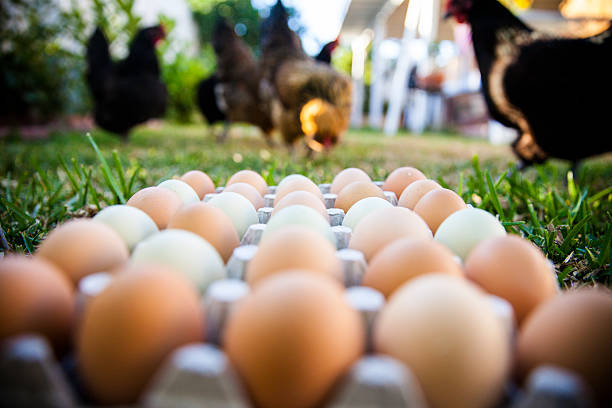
[377, 79]
[400, 76]
[358, 46]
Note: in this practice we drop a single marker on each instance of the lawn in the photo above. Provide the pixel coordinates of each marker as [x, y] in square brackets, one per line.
[47, 181]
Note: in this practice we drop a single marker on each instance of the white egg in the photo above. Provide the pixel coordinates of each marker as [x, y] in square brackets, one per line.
[362, 208]
[238, 209]
[131, 223]
[185, 252]
[184, 190]
[462, 230]
[291, 177]
[299, 215]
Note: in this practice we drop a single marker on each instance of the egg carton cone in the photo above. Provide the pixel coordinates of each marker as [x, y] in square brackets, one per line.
[353, 266]
[209, 196]
[264, 214]
[336, 216]
[325, 188]
[368, 302]
[505, 313]
[221, 296]
[272, 189]
[197, 375]
[379, 382]
[380, 184]
[219, 190]
[253, 234]
[239, 261]
[343, 236]
[391, 197]
[88, 288]
[30, 376]
[269, 200]
[554, 387]
[329, 199]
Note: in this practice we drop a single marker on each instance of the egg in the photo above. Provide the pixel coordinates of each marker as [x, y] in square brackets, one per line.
[292, 338]
[362, 208]
[159, 203]
[35, 297]
[299, 215]
[210, 223]
[290, 177]
[296, 184]
[249, 177]
[463, 230]
[436, 205]
[201, 182]
[384, 226]
[238, 209]
[401, 178]
[406, 259]
[247, 191]
[293, 247]
[81, 247]
[574, 331]
[356, 191]
[346, 177]
[184, 252]
[446, 331]
[514, 269]
[130, 328]
[415, 190]
[131, 223]
[302, 198]
[182, 189]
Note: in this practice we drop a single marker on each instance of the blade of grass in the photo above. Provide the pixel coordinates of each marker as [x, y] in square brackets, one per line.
[494, 197]
[106, 172]
[71, 178]
[120, 173]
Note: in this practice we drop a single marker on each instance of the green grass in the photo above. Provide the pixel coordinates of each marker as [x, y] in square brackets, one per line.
[569, 217]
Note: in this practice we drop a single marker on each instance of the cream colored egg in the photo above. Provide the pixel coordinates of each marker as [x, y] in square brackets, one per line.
[184, 190]
[401, 178]
[346, 177]
[464, 229]
[382, 227]
[436, 205]
[302, 198]
[238, 209]
[159, 203]
[415, 190]
[355, 192]
[249, 177]
[247, 191]
[299, 215]
[293, 247]
[184, 252]
[446, 331]
[131, 223]
[81, 247]
[290, 177]
[297, 184]
[362, 208]
[200, 182]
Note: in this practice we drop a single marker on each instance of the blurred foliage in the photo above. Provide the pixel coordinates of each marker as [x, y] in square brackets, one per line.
[41, 66]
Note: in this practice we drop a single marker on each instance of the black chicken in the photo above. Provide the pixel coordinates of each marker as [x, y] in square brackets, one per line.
[544, 87]
[128, 92]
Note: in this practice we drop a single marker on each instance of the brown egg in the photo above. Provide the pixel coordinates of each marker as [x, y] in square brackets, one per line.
[406, 259]
[210, 223]
[302, 198]
[83, 246]
[512, 268]
[445, 330]
[572, 330]
[293, 247]
[200, 182]
[131, 327]
[159, 203]
[381, 227]
[292, 338]
[247, 191]
[297, 184]
[436, 205]
[401, 178]
[356, 191]
[346, 177]
[413, 193]
[250, 177]
[35, 297]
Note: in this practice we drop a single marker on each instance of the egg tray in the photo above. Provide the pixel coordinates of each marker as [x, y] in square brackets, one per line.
[31, 376]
